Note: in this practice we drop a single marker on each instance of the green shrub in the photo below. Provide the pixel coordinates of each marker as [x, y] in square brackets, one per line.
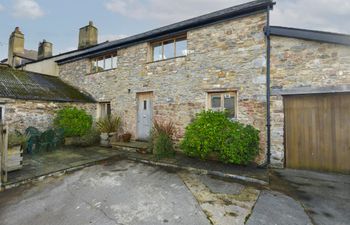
[91, 138]
[212, 132]
[161, 142]
[75, 122]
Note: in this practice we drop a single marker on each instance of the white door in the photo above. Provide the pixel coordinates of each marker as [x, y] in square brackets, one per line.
[144, 115]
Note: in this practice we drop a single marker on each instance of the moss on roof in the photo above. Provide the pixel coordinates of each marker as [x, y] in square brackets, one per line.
[19, 84]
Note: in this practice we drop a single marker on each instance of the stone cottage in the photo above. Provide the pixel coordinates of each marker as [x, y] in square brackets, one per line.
[231, 59]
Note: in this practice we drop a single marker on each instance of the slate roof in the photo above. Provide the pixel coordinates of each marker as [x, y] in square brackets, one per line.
[221, 15]
[312, 35]
[26, 85]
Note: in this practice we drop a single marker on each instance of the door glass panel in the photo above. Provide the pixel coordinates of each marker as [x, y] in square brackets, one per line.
[145, 105]
[169, 49]
[215, 101]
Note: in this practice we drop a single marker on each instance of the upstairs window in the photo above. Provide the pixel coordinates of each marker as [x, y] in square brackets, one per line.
[169, 48]
[223, 101]
[103, 63]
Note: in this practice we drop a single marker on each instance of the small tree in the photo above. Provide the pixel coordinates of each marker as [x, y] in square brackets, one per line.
[75, 122]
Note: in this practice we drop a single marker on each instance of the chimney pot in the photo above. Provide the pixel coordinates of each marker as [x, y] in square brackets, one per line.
[44, 50]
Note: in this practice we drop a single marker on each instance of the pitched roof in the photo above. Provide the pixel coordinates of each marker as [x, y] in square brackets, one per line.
[221, 15]
[19, 84]
[312, 35]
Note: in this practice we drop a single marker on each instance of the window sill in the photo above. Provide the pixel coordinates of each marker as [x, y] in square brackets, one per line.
[101, 71]
[163, 60]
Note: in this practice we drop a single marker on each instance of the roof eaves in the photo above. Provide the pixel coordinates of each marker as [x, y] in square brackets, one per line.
[312, 35]
[228, 13]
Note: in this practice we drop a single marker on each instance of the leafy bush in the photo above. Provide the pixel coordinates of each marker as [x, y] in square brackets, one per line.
[109, 124]
[91, 138]
[212, 132]
[75, 122]
[161, 142]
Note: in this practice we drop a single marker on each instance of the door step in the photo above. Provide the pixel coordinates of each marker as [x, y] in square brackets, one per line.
[133, 146]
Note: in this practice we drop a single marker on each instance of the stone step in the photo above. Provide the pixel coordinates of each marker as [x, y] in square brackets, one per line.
[133, 146]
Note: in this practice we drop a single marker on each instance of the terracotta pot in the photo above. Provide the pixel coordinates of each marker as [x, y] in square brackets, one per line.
[126, 137]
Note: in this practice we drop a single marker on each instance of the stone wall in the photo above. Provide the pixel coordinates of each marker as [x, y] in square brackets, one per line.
[299, 63]
[226, 55]
[21, 114]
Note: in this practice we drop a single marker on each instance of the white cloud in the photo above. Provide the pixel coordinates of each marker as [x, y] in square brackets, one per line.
[27, 9]
[166, 11]
[111, 37]
[329, 15]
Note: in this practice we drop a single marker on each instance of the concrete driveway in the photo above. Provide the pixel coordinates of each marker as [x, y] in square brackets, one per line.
[130, 193]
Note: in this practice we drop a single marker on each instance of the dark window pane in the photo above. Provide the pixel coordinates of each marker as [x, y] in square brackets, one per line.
[108, 109]
[229, 105]
[157, 52]
[181, 47]
[215, 101]
[169, 49]
[0, 114]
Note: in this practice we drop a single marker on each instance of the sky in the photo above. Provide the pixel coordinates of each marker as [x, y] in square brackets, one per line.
[58, 21]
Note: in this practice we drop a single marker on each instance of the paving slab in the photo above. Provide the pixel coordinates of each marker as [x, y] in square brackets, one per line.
[277, 209]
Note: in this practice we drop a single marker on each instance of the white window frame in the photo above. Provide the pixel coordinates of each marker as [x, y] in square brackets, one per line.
[222, 98]
[113, 66]
[102, 105]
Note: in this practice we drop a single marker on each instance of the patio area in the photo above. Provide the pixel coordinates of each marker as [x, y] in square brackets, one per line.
[60, 160]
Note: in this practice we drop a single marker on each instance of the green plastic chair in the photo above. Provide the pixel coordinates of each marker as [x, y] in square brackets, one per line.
[59, 137]
[34, 138]
[46, 140]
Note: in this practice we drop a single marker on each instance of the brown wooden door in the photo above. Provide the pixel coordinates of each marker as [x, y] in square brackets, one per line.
[317, 132]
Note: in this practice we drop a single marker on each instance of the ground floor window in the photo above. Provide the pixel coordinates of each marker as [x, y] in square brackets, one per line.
[223, 101]
[104, 109]
[2, 113]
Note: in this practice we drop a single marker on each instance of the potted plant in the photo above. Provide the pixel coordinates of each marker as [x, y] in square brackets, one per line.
[126, 137]
[108, 127]
[16, 142]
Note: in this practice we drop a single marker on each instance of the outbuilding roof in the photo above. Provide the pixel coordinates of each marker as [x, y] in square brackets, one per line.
[312, 35]
[221, 15]
[19, 84]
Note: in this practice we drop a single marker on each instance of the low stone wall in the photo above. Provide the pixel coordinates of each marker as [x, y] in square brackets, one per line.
[21, 114]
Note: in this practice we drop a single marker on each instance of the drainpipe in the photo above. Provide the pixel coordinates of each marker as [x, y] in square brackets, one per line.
[268, 111]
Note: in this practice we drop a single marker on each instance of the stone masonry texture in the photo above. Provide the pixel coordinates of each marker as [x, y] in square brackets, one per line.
[227, 55]
[21, 114]
[299, 63]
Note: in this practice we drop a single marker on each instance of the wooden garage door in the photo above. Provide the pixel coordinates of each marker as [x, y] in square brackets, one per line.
[317, 132]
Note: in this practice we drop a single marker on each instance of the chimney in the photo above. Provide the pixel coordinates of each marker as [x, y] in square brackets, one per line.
[44, 50]
[16, 47]
[87, 36]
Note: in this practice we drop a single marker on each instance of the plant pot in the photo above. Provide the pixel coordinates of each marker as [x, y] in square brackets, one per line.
[126, 137]
[104, 141]
[14, 158]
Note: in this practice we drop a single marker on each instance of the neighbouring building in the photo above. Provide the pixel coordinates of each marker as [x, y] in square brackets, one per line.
[32, 99]
[291, 84]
